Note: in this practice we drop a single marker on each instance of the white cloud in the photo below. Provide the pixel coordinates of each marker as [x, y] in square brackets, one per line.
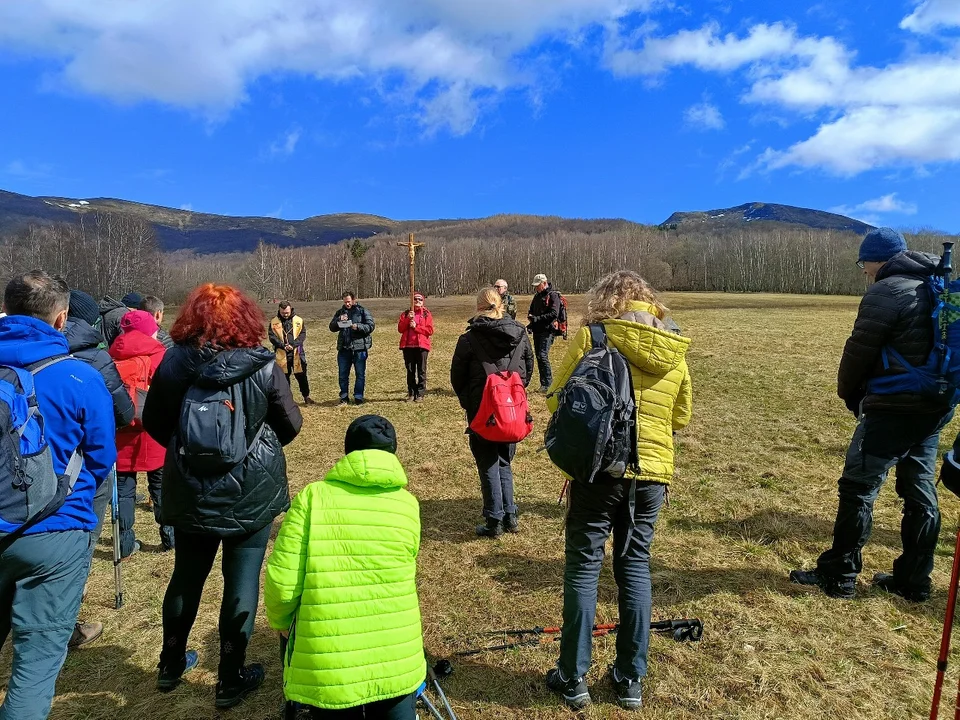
[902, 113]
[870, 210]
[932, 15]
[703, 116]
[286, 144]
[187, 206]
[203, 56]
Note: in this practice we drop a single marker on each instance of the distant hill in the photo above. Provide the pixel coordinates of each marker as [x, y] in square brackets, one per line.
[762, 213]
[184, 229]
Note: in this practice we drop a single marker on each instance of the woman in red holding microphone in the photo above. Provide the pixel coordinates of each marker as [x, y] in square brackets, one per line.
[416, 327]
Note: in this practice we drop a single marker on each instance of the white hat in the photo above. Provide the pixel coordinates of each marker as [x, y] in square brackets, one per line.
[538, 279]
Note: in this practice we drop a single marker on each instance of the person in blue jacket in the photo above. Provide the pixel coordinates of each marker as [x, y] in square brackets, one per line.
[42, 573]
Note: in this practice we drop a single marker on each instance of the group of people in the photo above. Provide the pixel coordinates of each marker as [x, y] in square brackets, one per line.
[342, 594]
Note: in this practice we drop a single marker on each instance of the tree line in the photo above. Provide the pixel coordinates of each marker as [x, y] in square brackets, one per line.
[112, 254]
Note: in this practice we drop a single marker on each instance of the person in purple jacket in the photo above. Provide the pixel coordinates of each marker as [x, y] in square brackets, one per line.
[42, 573]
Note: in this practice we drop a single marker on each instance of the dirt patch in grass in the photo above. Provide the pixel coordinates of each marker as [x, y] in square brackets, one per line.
[755, 497]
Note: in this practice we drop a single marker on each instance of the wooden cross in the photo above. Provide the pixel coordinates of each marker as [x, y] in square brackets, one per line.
[412, 249]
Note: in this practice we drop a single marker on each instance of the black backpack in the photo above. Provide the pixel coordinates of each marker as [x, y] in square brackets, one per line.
[212, 432]
[30, 489]
[594, 429]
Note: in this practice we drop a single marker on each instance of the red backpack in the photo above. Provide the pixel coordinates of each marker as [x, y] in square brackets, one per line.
[135, 375]
[560, 324]
[504, 415]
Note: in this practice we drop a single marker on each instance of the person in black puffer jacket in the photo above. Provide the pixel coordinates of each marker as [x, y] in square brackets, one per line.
[895, 428]
[498, 337]
[218, 335]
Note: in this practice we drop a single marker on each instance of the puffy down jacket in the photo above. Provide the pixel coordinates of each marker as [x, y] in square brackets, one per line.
[87, 344]
[343, 580]
[661, 385]
[255, 492]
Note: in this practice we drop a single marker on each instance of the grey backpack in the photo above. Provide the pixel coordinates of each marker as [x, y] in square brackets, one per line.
[594, 429]
[212, 433]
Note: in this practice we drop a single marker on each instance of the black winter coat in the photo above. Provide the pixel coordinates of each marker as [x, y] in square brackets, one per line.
[251, 495]
[497, 340]
[111, 311]
[544, 310]
[895, 311]
[86, 343]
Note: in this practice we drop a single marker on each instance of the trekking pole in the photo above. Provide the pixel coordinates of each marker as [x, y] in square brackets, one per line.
[947, 632]
[436, 684]
[563, 492]
[115, 518]
[431, 707]
[548, 630]
[539, 640]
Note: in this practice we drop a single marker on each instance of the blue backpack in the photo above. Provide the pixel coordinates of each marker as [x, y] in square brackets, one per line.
[940, 374]
[30, 489]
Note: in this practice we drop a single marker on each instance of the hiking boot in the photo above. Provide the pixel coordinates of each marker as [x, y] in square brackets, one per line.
[491, 529]
[628, 691]
[886, 582]
[418, 399]
[170, 676]
[510, 523]
[344, 401]
[84, 634]
[544, 389]
[136, 549]
[358, 401]
[840, 589]
[232, 692]
[574, 691]
[309, 401]
[409, 398]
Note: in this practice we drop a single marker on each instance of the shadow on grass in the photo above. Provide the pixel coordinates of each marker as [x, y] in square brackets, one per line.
[453, 520]
[769, 526]
[475, 683]
[101, 682]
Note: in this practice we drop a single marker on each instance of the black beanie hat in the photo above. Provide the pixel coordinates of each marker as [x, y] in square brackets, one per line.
[370, 432]
[132, 300]
[83, 307]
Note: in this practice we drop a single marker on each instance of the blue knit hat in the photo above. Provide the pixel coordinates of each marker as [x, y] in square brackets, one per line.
[881, 244]
[132, 300]
[83, 306]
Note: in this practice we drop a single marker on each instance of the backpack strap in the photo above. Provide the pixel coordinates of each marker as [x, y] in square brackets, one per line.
[598, 335]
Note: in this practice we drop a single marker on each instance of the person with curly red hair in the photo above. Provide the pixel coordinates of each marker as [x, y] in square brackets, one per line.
[216, 369]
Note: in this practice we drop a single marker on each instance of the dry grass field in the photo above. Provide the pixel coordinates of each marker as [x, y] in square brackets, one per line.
[755, 497]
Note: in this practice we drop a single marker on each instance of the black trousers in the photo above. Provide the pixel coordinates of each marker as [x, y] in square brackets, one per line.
[242, 560]
[401, 708]
[415, 360]
[301, 376]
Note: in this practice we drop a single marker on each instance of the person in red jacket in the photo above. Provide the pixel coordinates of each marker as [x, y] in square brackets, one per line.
[416, 327]
[137, 354]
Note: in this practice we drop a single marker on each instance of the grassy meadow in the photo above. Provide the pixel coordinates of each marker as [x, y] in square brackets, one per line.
[755, 497]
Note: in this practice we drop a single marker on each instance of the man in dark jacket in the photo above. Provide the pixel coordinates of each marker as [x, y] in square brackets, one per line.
[354, 323]
[42, 573]
[87, 344]
[154, 305]
[896, 428]
[544, 312]
[287, 334]
[112, 310]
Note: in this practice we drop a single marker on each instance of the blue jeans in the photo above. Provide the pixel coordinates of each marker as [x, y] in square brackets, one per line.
[596, 509]
[496, 475]
[357, 359]
[41, 584]
[907, 442]
[542, 342]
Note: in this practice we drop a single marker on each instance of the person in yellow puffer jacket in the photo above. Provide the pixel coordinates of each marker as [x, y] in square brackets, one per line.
[633, 319]
[341, 586]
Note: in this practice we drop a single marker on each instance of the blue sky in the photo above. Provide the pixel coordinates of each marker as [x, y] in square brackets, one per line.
[465, 108]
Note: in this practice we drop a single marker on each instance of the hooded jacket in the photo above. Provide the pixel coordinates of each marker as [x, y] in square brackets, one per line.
[419, 336]
[544, 310]
[343, 579]
[253, 493]
[497, 339]
[87, 344]
[661, 384]
[136, 450]
[896, 310]
[77, 413]
[348, 338]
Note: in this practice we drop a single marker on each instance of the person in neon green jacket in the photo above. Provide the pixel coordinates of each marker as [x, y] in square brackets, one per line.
[341, 585]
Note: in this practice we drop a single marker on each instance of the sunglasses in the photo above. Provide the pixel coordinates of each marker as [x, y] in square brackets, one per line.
[418, 299]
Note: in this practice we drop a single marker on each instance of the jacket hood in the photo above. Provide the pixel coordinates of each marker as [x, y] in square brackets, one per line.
[25, 340]
[498, 336]
[81, 335]
[648, 348]
[911, 263]
[231, 366]
[108, 304]
[134, 343]
[369, 469]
